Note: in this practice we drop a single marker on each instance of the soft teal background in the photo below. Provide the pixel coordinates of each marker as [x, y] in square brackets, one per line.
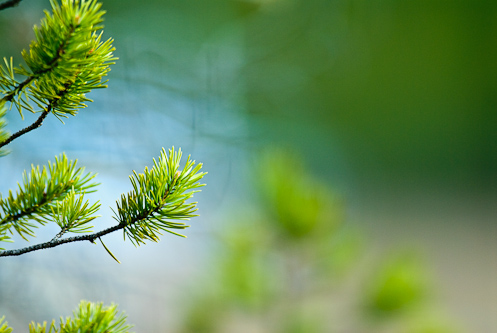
[392, 103]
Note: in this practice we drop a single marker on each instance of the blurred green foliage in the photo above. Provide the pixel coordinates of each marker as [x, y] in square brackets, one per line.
[4, 326]
[284, 266]
[399, 284]
[300, 205]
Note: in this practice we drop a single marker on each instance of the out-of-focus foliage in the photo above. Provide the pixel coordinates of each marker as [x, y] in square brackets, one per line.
[300, 205]
[399, 284]
[406, 88]
[4, 326]
[398, 297]
[89, 317]
[282, 266]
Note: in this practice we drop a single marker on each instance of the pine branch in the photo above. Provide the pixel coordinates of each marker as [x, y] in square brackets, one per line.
[8, 4]
[67, 52]
[56, 242]
[4, 326]
[50, 67]
[44, 194]
[158, 196]
[27, 129]
[52, 104]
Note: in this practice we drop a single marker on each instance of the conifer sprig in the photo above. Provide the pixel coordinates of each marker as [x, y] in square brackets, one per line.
[73, 214]
[158, 196]
[65, 61]
[44, 194]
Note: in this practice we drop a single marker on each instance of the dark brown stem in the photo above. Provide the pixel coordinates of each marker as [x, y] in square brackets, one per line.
[56, 242]
[25, 130]
[21, 86]
[8, 4]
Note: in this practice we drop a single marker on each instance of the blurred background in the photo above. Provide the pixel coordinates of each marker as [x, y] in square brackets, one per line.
[352, 159]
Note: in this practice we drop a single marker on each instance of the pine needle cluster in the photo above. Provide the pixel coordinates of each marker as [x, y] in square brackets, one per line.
[66, 60]
[158, 196]
[53, 193]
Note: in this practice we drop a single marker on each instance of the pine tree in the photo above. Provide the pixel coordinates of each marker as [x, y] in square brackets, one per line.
[67, 59]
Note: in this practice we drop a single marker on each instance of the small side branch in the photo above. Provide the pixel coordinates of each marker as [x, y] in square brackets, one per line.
[8, 4]
[9, 97]
[25, 130]
[56, 242]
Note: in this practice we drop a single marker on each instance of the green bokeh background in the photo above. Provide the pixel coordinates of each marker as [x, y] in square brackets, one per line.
[407, 87]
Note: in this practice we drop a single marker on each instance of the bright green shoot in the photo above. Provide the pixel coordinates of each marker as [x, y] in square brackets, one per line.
[158, 196]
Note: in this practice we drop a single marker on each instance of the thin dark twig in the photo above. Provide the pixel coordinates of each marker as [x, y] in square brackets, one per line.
[21, 86]
[56, 242]
[8, 4]
[27, 129]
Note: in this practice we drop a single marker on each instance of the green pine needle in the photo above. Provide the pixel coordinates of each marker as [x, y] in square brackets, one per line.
[72, 215]
[3, 134]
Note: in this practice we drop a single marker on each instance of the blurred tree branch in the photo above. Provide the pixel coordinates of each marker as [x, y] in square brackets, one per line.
[8, 4]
